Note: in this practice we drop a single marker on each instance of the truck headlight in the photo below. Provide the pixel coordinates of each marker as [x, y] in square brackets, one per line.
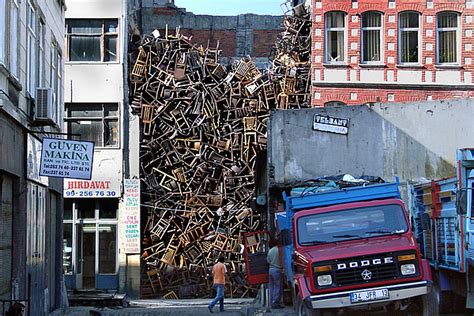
[408, 269]
[324, 280]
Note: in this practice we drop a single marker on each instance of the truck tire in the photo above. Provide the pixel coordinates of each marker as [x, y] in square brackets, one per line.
[303, 310]
[430, 303]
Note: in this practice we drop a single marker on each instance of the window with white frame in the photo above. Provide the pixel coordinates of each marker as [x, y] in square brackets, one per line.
[92, 40]
[41, 53]
[3, 35]
[335, 23]
[409, 37]
[94, 122]
[447, 28]
[31, 50]
[13, 55]
[371, 37]
[56, 81]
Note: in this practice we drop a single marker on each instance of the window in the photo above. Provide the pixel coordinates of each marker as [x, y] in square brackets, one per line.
[334, 104]
[447, 38]
[3, 35]
[347, 224]
[56, 80]
[92, 40]
[31, 50]
[409, 37]
[371, 37]
[107, 248]
[95, 122]
[335, 37]
[41, 53]
[15, 8]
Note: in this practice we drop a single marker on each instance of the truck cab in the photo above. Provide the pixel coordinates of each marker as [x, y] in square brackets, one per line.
[351, 249]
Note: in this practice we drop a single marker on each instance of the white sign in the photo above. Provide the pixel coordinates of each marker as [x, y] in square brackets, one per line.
[326, 123]
[62, 158]
[91, 189]
[33, 160]
[131, 215]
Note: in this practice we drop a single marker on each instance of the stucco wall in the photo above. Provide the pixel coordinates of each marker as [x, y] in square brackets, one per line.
[405, 140]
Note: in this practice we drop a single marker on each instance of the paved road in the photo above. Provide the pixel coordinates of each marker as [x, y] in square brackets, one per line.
[234, 307]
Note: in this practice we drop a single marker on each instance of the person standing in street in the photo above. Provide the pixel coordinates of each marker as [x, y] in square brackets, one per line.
[274, 274]
[218, 272]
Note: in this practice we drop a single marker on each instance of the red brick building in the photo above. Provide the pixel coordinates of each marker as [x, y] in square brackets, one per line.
[391, 50]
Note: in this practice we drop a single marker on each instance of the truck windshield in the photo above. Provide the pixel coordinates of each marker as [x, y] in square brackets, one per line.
[351, 224]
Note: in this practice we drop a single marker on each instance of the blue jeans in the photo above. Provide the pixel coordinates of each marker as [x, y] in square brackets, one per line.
[274, 284]
[219, 296]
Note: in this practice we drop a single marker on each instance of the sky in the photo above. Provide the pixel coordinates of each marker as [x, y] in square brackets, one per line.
[231, 7]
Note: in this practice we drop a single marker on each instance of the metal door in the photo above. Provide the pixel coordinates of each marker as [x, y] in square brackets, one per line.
[255, 252]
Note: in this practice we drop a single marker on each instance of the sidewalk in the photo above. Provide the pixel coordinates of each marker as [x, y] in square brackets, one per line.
[194, 307]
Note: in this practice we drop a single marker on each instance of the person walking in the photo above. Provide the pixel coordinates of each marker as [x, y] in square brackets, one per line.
[218, 272]
[274, 274]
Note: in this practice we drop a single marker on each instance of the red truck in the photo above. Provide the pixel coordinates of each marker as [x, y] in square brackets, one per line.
[352, 248]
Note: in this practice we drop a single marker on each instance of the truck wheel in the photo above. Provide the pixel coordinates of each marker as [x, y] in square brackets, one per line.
[430, 303]
[303, 310]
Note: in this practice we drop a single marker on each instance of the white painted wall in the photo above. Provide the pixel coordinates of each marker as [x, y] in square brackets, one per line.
[409, 76]
[97, 82]
[100, 9]
[371, 75]
[335, 75]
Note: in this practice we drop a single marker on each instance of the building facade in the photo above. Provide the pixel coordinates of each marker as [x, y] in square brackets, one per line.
[101, 240]
[31, 102]
[368, 51]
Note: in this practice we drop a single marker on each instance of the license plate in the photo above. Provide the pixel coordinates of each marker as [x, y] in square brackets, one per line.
[366, 296]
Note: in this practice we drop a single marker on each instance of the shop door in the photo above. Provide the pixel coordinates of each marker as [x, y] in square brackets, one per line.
[86, 256]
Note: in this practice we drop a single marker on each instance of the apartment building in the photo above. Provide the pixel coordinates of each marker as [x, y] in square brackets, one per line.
[368, 51]
[101, 215]
[31, 102]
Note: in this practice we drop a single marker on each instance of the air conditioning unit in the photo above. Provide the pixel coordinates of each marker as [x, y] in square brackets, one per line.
[44, 112]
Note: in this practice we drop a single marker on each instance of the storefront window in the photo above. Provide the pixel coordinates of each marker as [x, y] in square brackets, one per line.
[108, 208]
[86, 208]
[67, 209]
[107, 248]
[67, 249]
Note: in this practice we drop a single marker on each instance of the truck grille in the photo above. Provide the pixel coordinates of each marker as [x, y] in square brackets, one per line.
[354, 275]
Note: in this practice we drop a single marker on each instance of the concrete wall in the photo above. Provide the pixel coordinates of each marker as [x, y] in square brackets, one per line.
[409, 141]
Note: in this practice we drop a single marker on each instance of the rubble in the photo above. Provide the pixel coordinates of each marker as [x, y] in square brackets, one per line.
[202, 126]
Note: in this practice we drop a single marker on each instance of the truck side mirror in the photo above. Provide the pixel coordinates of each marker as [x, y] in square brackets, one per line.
[285, 237]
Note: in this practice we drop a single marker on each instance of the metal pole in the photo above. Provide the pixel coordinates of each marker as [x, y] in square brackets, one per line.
[29, 294]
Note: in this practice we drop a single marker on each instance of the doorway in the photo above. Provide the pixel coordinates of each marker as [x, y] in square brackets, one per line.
[90, 238]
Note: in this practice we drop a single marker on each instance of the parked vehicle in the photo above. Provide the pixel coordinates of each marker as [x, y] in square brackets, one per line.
[442, 213]
[352, 248]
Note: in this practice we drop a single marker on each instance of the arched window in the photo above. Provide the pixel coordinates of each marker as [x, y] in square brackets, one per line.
[335, 37]
[334, 104]
[371, 37]
[409, 38]
[447, 29]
